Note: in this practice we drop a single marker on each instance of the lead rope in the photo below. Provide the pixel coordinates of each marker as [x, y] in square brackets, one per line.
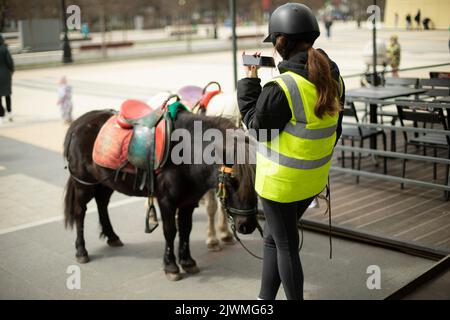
[233, 228]
[329, 216]
[222, 194]
[327, 198]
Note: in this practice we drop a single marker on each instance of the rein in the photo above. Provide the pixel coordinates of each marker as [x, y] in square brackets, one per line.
[327, 199]
[227, 172]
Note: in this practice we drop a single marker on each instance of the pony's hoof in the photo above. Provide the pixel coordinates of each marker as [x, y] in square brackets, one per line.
[115, 243]
[213, 247]
[172, 276]
[82, 259]
[191, 269]
[228, 240]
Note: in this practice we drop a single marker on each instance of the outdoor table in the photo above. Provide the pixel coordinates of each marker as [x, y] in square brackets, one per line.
[378, 93]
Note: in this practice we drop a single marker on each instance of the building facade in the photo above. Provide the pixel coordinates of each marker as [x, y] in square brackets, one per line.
[436, 10]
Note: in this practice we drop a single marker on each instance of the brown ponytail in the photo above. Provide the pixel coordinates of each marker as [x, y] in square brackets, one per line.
[319, 73]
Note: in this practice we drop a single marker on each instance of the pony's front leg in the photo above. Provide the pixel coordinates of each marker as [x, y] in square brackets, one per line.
[184, 227]
[211, 208]
[170, 230]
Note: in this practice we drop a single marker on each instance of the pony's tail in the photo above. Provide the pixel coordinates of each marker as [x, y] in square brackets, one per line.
[69, 197]
[69, 204]
[67, 141]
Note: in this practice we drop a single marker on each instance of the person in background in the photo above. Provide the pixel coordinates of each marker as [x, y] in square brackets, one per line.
[394, 51]
[328, 23]
[396, 20]
[65, 100]
[85, 30]
[6, 72]
[358, 21]
[408, 22]
[427, 24]
[417, 19]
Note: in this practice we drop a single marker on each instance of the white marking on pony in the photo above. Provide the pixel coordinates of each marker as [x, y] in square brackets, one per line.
[224, 105]
[158, 99]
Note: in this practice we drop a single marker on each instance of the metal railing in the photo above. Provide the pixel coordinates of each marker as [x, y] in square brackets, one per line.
[361, 74]
[396, 155]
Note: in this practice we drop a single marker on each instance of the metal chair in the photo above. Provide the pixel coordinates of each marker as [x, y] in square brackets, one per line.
[439, 75]
[436, 87]
[397, 82]
[425, 113]
[358, 134]
[402, 82]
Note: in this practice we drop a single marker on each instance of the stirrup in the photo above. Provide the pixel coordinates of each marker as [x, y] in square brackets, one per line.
[151, 219]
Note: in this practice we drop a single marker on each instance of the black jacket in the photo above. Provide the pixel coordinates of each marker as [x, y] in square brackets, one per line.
[6, 70]
[268, 108]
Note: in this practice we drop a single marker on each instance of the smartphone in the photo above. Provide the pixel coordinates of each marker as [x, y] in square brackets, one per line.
[261, 61]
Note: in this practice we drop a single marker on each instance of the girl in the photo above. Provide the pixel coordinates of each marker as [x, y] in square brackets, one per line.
[304, 105]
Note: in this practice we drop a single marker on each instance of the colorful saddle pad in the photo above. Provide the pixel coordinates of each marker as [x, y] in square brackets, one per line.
[111, 146]
[137, 133]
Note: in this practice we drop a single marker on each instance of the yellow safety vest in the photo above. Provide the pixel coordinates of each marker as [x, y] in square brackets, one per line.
[294, 165]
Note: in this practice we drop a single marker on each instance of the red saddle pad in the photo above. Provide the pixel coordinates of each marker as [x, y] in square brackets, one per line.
[111, 145]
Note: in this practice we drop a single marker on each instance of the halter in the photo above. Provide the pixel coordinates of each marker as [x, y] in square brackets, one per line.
[228, 173]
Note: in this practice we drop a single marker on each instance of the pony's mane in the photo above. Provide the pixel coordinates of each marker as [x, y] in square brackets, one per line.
[245, 172]
[208, 122]
[246, 176]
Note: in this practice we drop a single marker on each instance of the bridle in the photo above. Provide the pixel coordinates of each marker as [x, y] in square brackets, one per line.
[228, 173]
[225, 174]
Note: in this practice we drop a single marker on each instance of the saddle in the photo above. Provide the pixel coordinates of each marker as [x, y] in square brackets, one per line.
[148, 149]
[135, 140]
[206, 98]
[197, 98]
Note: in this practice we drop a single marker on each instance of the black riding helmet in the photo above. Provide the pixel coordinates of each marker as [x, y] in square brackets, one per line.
[294, 20]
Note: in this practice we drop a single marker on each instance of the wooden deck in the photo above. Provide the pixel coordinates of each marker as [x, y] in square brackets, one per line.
[414, 214]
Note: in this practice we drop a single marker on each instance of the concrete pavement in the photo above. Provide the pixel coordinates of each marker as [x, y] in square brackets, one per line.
[34, 264]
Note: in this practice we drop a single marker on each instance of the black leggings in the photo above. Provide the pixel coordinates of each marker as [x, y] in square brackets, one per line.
[8, 105]
[281, 262]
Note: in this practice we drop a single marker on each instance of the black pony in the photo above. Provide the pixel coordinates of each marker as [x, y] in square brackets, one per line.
[178, 188]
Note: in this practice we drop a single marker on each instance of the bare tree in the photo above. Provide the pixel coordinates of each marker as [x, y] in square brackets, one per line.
[158, 12]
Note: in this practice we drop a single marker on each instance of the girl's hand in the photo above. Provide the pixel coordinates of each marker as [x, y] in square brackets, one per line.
[252, 71]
